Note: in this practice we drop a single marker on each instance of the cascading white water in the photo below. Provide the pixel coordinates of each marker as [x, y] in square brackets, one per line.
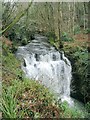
[44, 63]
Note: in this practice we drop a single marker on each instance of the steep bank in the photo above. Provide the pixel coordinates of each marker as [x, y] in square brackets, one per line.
[20, 92]
[78, 54]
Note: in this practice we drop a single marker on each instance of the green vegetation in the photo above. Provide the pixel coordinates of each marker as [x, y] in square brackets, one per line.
[66, 26]
[23, 98]
[87, 31]
[80, 64]
[77, 30]
[10, 65]
[26, 99]
[65, 37]
[72, 112]
[79, 58]
[88, 107]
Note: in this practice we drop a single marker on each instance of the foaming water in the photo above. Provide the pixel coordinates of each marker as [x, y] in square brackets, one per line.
[44, 63]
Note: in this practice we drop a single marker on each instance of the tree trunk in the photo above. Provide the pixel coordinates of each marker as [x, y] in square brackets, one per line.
[84, 9]
[59, 31]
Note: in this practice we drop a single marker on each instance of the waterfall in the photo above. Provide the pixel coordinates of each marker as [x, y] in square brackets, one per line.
[42, 62]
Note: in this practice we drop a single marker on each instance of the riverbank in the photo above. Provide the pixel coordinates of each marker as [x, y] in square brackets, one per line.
[26, 98]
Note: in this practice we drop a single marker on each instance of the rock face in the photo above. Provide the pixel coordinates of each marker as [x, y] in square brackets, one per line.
[44, 63]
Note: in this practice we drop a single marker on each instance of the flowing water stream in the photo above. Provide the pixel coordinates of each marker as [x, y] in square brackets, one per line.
[44, 63]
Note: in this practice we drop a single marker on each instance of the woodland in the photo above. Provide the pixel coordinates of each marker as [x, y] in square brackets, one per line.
[66, 25]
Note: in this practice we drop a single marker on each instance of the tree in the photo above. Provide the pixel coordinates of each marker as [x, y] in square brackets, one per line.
[17, 18]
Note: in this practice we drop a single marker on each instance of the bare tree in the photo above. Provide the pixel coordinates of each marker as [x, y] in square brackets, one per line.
[17, 18]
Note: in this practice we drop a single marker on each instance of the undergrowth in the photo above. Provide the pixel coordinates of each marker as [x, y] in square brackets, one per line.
[25, 98]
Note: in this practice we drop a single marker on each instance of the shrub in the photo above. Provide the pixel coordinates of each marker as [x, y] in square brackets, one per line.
[65, 37]
[14, 48]
[24, 41]
[80, 71]
[77, 30]
[88, 106]
[87, 31]
[10, 66]
[51, 36]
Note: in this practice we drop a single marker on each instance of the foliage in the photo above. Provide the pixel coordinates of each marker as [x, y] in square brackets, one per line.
[24, 41]
[87, 31]
[77, 30]
[14, 48]
[82, 70]
[47, 17]
[20, 35]
[27, 99]
[71, 112]
[51, 35]
[23, 98]
[16, 19]
[80, 64]
[88, 107]
[9, 104]
[10, 65]
[65, 37]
